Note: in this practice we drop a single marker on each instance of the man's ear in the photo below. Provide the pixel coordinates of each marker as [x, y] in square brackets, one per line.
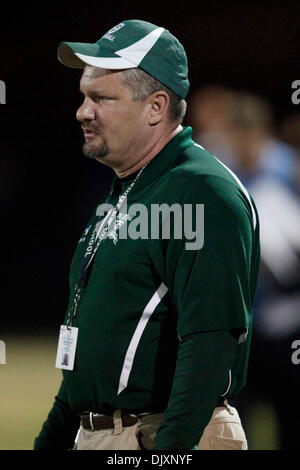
[158, 106]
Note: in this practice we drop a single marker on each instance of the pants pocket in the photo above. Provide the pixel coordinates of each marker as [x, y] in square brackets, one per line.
[139, 437]
[147, 429]
[227, 443]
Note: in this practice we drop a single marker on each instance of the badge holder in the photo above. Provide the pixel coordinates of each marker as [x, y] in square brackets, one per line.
[68, 338]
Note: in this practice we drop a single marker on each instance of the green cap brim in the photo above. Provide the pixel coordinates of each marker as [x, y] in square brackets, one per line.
[78, 54]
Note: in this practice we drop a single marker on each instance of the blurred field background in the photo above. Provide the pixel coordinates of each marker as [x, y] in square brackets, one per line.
[29, 382]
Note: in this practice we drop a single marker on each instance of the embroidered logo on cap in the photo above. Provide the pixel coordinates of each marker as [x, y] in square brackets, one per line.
[109, 34]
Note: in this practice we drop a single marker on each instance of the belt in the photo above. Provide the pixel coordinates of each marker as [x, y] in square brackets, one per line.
[96, 422]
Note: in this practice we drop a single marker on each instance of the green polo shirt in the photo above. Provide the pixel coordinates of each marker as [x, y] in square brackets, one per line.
[158, 280]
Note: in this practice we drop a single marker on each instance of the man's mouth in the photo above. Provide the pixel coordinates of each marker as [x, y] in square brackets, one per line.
[88, 133]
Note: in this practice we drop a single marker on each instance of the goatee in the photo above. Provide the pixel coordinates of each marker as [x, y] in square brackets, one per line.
[92, 151]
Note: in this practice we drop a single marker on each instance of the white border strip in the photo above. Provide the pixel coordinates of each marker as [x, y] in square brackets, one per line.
[136, 52]
[149, 309]
[106, 62]
[229, 385]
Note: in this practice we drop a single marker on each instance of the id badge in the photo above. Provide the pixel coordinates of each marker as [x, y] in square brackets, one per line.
[66, 347]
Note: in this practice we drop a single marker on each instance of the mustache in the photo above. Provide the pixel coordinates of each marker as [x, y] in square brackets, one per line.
[84, 127]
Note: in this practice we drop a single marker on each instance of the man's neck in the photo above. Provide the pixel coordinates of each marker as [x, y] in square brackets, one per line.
[157, 147]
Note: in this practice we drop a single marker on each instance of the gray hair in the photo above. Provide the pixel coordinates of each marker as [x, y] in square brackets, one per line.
[143, 85]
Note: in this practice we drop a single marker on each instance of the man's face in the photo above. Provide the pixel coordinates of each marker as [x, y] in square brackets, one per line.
[114, 125]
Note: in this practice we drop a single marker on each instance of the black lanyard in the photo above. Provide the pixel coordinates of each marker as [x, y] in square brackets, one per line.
[100, 229]
[86, 265]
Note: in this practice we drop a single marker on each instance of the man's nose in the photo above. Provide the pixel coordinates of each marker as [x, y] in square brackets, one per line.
[86, 111]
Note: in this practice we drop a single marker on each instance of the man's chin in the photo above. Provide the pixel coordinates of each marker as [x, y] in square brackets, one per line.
[93, 151]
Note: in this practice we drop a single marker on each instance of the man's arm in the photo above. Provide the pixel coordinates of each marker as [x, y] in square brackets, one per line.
[211, 289]
[201, 376]
[60, 428]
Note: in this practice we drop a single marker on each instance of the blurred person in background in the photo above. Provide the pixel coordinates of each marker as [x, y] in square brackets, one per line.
[289, 131]
[209, 111]
[238, 127]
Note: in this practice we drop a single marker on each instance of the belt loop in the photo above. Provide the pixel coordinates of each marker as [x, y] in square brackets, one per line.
[117, 422]
[228, 408]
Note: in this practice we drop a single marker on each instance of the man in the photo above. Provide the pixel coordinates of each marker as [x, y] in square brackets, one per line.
[158, 326]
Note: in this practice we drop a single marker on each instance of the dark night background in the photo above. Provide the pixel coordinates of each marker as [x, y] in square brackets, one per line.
[48, 188]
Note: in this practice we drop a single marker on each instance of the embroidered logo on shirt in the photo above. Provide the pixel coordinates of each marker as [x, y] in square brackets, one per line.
[121, 218]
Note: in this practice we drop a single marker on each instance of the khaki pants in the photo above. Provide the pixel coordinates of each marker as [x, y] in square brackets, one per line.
[223, 432]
